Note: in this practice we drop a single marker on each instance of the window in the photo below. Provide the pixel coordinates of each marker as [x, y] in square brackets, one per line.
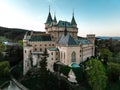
[35, 49]
[64, 55]
[35, 45]
[45, 45]
[49, 44]
[80, 55]
[25, 51]
[30, 51]
[40, 45]
[52, 44]
[40, 49]
[80, 50]
[61, 55]
[51, 53]
[56, 53]
[51, 58]
[73, 57]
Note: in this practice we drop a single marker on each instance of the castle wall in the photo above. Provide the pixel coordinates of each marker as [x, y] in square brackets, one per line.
[66, 52]
[53, 56]
[40, 46]
[26, 62]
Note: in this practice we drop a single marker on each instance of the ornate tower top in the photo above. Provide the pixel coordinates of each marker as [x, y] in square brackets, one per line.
[49, 18]
[55, 20]
[73, 22]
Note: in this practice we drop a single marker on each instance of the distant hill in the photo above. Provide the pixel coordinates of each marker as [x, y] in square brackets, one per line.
[108, 37]
[13, 34]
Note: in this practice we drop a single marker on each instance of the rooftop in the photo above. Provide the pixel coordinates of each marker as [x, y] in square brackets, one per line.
[53, 49]
[67, 40]
[40, 37]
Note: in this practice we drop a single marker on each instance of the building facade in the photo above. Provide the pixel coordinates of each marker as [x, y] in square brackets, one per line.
[61, 42]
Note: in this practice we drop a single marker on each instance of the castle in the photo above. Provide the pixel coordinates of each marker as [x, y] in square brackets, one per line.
[62, 44]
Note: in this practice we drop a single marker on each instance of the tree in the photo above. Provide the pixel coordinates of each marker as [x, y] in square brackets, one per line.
[113, 71]
[20, 43]
[2, 47]
[96, 74]
[43, 64]
[105, 54]
[4, 68]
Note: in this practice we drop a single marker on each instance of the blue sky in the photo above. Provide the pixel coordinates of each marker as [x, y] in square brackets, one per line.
[100, 17]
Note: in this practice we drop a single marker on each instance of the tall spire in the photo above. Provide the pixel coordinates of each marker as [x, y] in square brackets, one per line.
[73, 12]
[55, 20]
[65, 31]
[73, 22]
[49, 18]
[49, 8]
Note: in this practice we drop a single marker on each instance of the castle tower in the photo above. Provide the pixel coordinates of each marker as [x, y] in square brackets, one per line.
[73, 22]
[91, 37]
[55, 20]
[49, 20]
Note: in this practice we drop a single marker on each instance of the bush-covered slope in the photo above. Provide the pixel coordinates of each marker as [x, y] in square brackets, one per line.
[12, 33]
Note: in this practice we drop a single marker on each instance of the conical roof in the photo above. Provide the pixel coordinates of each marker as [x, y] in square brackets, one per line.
[49, 18]
[55, 20]
[73, 22]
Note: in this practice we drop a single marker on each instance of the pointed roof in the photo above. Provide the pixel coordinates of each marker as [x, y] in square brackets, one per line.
[49, 18]
[55, 20]
[67, 40]
[73, 22]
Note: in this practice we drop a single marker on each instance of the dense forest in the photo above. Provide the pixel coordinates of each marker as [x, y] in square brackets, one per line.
[13, 34]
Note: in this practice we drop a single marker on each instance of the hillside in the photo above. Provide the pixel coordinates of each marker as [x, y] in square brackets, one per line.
[13, 34]
[108, 37]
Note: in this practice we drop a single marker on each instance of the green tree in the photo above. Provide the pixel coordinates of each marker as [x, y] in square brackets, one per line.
[96, 74]
[113, 71]
[105, 54]
[20, 43]
[4, 68]
[2, 47]
[43, 64]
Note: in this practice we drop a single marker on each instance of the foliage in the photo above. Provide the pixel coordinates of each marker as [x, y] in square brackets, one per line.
[105, 54]
[79, 74]
[43, 64]
[20, 43]
[65, 70]
[14, 54]
[96, 74]
[113, 71]
[12, 34]
[4, 68]
[2, 47]
[17, 72]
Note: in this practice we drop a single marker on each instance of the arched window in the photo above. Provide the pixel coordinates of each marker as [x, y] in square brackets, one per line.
[73, 57]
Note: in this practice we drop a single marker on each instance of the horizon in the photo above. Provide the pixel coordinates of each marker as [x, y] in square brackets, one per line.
[101, 17]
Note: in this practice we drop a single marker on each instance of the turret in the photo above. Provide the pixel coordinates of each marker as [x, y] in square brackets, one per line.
[49, 20]
[55, 20]
[91, 37]
[25, 41]
[73, 22]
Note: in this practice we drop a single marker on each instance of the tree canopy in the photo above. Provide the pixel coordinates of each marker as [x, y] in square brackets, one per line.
[96, 74]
